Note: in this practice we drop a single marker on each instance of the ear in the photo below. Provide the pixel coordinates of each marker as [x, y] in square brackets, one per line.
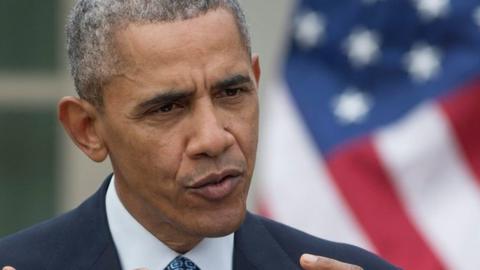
[256, 68]
[80, 120]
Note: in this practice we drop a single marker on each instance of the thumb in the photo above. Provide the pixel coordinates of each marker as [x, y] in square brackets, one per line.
[312, 262]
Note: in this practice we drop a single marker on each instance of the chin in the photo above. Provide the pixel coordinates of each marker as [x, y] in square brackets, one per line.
[220, 223]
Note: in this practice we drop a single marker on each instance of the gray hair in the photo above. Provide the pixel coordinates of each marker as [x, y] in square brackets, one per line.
[92, 24]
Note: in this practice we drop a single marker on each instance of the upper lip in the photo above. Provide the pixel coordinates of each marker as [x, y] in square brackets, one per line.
[216, 177]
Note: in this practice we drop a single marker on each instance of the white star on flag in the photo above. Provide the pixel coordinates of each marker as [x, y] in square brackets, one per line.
[423, 62]
[362, 47]
[432, 9]
[310, 29]
[352, 106]
[378, 124]
[476, 16]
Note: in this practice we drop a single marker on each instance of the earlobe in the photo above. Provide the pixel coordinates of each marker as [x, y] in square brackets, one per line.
[78, 118]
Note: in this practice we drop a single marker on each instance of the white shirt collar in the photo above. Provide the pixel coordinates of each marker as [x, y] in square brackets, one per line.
[138, 248]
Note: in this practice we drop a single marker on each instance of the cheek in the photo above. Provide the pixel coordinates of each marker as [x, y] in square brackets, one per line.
[244, 126]
[151, 168]
[161, 158]
[251, 144]
[142, 155]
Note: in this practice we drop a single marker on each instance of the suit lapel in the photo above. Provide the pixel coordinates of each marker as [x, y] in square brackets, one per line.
[88, 241]
[107, 257]
[255, 248]
[107, 260]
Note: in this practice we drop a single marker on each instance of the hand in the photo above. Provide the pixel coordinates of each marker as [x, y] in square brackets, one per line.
[312, 262]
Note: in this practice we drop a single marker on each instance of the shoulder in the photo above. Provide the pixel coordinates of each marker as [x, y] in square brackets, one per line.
[73, 238]
[36, 245]
[295, 243]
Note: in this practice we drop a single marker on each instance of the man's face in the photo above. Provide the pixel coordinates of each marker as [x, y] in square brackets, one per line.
[181, 124]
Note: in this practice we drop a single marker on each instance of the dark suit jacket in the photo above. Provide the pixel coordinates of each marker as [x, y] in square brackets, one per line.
[81, 239]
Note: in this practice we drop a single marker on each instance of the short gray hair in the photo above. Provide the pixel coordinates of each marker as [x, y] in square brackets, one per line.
[92, 24]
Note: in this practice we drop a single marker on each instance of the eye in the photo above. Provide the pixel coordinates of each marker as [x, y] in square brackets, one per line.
[231, 92]
[166, 108]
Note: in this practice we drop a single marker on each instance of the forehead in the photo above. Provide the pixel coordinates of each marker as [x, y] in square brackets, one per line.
[194, 55]
[214, 33]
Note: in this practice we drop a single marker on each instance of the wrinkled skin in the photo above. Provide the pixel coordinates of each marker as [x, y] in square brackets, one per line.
[182, 112]
[161, 149]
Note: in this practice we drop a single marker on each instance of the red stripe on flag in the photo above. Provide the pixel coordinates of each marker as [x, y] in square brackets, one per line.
[463, 112]
[366, 187]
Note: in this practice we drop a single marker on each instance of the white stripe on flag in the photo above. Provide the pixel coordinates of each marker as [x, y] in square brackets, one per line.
[294, 182]
[435, 184]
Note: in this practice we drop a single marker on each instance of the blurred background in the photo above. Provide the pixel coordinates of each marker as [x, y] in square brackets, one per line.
[369, 123]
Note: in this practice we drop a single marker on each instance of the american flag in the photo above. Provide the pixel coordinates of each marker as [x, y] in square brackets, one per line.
[371, 130]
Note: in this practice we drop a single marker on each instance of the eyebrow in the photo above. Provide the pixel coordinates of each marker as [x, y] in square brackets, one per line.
[232, 81]
[174, 95]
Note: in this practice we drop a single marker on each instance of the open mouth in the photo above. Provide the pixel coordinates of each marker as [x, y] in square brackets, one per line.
[217, 186]
[215, 182]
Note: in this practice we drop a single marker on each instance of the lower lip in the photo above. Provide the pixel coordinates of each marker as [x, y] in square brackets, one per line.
[218, 191]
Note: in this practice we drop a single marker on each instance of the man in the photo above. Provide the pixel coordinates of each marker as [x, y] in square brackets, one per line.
[168, 91]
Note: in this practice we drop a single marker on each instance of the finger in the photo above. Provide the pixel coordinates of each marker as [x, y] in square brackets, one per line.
[8, 268]
[312, 262]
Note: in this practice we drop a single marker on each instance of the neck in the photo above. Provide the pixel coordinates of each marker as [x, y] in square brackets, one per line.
[158, 225]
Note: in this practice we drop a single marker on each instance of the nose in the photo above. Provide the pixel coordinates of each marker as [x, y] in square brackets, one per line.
[210, 136]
